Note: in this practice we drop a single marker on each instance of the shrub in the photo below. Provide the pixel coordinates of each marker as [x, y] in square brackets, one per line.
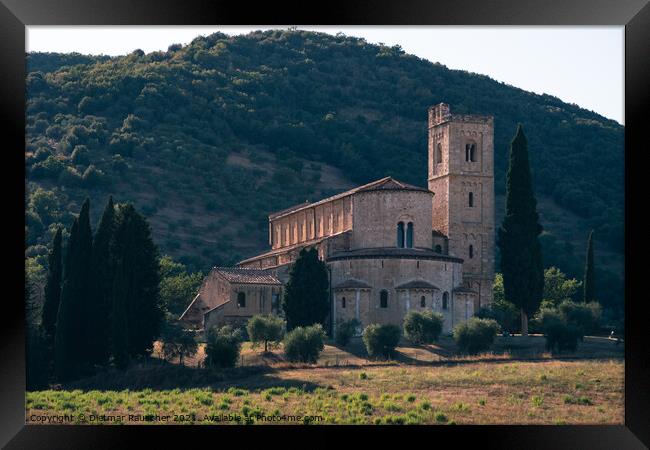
[381, 340]
[93, 177]
[223, 346]
[266, 329]
[423, 327]
[475, 335]
[50, 168]
[559, 334]
[345, 330]
[304, 344]
[81, 155]
[584, 316]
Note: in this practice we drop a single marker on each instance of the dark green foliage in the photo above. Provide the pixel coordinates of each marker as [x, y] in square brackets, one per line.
[560, 335]
[37, 358]
[53, 288]
[50, 168]
[381, 340]
[265, 329]
[177, 341]
[71, 350]
[305, 300]
[423, 327]
[119, 322]
[178, 287]
[521, 255]
[505, 313]
[223, 346]
[345, 330]
[588, 283]
[585, 316]
[136, 250]
[475, 335]
[304, 344]
[102, 276]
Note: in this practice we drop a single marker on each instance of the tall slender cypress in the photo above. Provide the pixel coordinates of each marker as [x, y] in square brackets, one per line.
[588, 282]
[119, 343]
[521, 254]
[52, 287]
[71, 349]
[102, 274]
[138, 253]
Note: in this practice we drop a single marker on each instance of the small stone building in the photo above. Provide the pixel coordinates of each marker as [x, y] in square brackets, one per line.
[390, 247]
[232, 295]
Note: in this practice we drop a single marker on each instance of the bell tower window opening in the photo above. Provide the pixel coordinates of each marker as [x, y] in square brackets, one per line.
[400, 234]
[343, 302]
[471, 199]
[445, 300]
[470, 152]
[423, 301]
[439, 153]
[409, 235]
[471, 251]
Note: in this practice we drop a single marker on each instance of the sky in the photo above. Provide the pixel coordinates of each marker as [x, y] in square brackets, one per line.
[582, 65]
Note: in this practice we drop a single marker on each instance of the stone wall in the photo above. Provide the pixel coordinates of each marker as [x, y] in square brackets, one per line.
[387, 274]
[311, 222]
[377, 213]
[259, 300]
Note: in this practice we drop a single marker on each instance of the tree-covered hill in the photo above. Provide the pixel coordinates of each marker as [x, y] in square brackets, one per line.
[209, 138]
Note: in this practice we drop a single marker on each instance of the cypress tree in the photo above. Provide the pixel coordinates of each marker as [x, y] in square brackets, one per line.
[52, 287]
[521, 254]
[306, 297]
[144, 312]
[588, 282]
[119, 327]
[102, 268]
[71, 352]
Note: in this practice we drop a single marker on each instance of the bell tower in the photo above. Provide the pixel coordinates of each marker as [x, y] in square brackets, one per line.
[461, 175]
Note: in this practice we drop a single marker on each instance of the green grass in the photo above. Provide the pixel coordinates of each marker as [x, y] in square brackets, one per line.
[503, 393]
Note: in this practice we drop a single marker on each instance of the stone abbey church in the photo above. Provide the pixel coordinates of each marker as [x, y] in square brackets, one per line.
[390, 247]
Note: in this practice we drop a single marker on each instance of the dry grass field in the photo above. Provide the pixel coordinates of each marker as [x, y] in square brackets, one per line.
[518, 384]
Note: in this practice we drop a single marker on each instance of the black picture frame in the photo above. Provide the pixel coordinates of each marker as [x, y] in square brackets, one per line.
[16, 14]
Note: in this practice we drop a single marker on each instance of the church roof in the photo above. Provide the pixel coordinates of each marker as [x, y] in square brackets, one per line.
[417, 284]
[393, 252]
[247, 276]
[385, 184]
[352, 284]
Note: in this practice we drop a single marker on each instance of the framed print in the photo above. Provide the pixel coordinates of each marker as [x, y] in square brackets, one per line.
[416, 214]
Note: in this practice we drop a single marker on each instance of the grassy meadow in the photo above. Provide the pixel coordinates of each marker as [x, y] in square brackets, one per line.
[424, 385]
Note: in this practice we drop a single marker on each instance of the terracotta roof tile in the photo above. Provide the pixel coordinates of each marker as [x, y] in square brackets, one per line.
[247, 276]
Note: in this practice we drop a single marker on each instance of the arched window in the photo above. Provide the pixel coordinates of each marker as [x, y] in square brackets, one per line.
[470, 152]
[383, 299]
[445, 300]
[471, 199]
[343, 302]
[241, 300]
[400, 234]
[438, 249]
[423, 301]
[439, 153]
[471, 251]
[409, 235]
